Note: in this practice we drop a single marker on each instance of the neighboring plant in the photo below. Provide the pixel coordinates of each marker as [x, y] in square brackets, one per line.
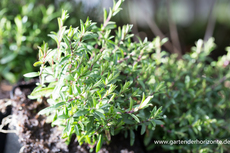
[97, 84]
[23, 25]
[195, 102]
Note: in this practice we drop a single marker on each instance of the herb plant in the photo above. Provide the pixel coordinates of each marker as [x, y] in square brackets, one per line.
[195, 102]
[97, 83]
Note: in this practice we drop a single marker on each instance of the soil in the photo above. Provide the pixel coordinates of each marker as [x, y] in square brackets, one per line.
[36, 135]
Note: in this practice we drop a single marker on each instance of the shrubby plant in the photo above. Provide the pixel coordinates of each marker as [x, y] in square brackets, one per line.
[195, 102]
[97, 84]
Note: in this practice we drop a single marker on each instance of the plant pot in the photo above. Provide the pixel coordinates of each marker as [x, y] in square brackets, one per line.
[3, 135]
[5, 110]
[12, 144]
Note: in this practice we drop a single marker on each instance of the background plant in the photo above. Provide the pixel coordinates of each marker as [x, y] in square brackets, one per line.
[96, 82]
[22, 29]
[24, 26]
[195, 101]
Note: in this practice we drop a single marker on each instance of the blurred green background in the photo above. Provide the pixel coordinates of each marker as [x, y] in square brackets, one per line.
[25, 24]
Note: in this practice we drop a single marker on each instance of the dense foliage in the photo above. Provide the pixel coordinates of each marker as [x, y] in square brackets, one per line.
[99, 84]
[195, 102]
[23, 26]
[95, 81]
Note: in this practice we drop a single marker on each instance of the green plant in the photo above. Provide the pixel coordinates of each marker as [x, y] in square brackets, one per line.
[24, 27]
[97, 83]
[195, 101]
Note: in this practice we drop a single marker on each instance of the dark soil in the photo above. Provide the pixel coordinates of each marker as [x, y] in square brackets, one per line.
[36, 135]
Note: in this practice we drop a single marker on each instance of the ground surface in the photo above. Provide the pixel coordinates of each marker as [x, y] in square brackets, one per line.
[35, 135]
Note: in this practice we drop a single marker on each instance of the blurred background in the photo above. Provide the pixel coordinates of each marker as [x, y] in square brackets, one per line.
[25, 24]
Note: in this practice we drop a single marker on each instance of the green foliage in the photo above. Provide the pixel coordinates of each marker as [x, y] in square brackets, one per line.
[195, 102]
[23, 26]
[97, 83]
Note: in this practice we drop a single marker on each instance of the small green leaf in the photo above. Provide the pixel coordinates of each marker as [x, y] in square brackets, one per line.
[68, 127]
[143, 97]
[98, 83]
[67, 41]
[141, 83]
[82, 126]
[54, 36]
[37, 63]
[157, 112]
[76, 130]
[89, 35]
[110, 25]
[164, 40]
[135, 117]
[105, 15]
[82, 26]
[143, 129]
[78, 90]
[132, 137]
[145, 102]
[158, 122]
[63, 116]
[112, 130]
[94, 102]
[99, 143]
[80, 113]
[42, 91]
[159, 86]
[64, 59]
[99, 94]
[55, 117]
[31, 74]
[51, 108]
[130, 104]
[69, 77]
[100, 113]
[187, 81]
[112, 88]
[112, 98]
